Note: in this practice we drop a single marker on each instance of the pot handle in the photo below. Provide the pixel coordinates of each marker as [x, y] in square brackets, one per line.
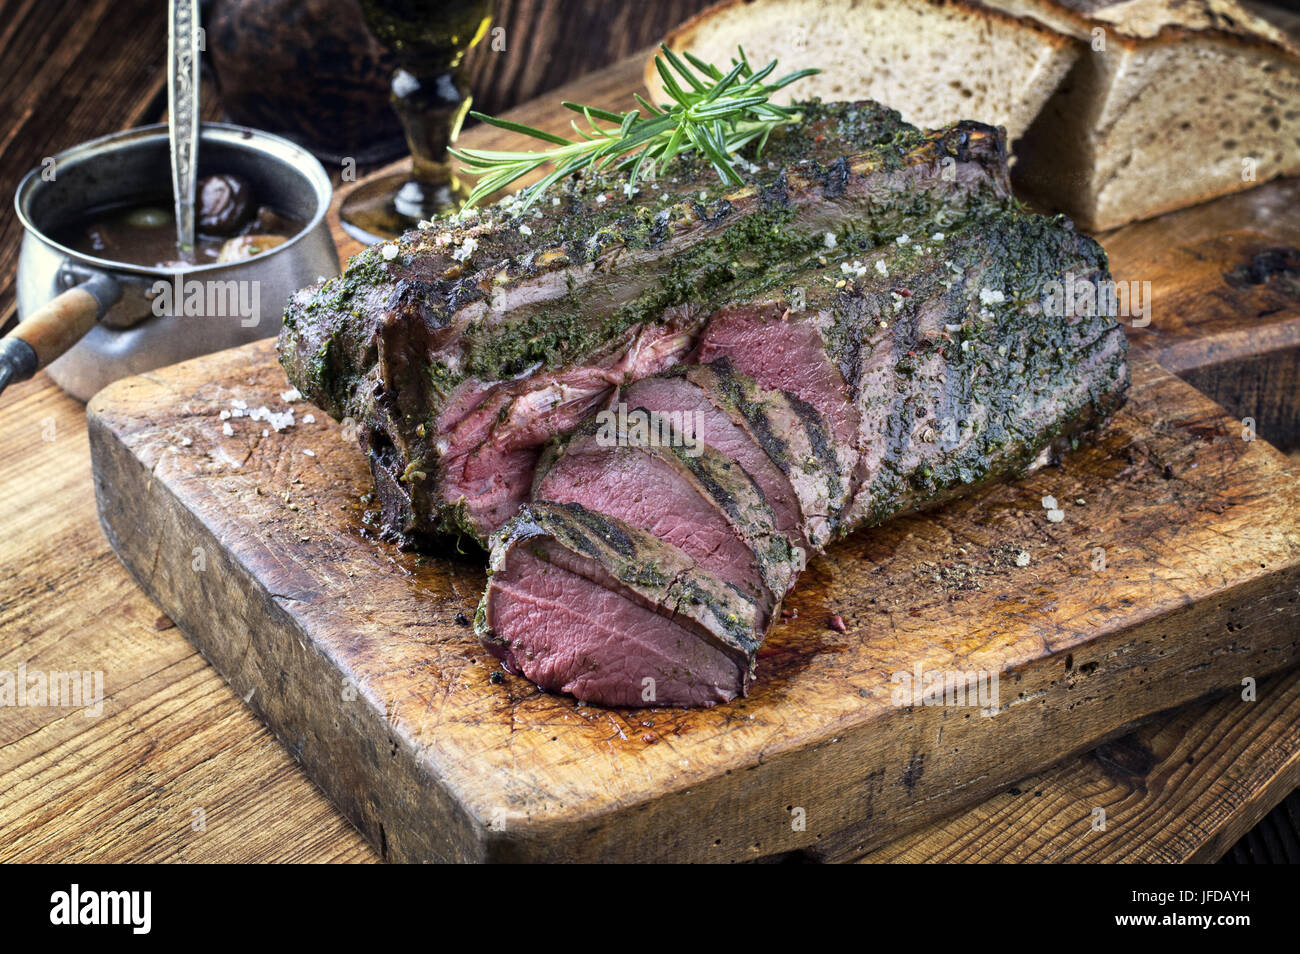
[54, 328]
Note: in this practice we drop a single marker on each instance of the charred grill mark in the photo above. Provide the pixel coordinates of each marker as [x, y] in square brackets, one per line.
[901, 419]
[706, 473]
[416, 297]
[777, 195]
[761, 426]
[733, 491]
[722, 211]
[758, 417]
[725, 482]
[754, 414]
[962, 140]
[836, 180]
[824, 450]
[743, 637]
[606, 529]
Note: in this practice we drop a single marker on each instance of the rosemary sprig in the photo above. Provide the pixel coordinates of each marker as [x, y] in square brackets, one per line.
[710, 111]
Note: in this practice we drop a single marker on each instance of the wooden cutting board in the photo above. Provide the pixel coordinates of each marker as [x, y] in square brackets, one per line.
[258, 545]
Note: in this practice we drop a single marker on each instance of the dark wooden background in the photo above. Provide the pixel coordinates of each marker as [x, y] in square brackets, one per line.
[551, 41]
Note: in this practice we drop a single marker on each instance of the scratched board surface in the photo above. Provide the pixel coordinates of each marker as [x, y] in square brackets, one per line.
[359, 656]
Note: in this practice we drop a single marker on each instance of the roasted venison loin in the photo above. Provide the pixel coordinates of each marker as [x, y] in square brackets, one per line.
[861, 331]
[459, 351]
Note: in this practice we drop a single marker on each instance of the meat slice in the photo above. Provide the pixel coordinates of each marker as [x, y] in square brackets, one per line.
[489, 454]
[785, 350]
[683, 492]
[776, 438]
[583, 603]
[680, 392]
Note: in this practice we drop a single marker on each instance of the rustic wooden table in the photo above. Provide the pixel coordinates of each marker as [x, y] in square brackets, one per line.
[177, 767]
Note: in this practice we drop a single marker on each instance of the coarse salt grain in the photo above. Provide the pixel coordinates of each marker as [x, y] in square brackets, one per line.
[309, 453]
[1049, 503]
[389, 252]
[227, 429]
[465, 250]
[1055, 516]
[1022, 558]
[278, 421]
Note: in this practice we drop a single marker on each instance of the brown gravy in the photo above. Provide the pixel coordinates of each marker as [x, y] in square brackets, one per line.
[145, 233]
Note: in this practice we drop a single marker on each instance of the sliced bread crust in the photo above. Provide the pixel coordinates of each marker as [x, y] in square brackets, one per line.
[1171, 103]
[935, 61]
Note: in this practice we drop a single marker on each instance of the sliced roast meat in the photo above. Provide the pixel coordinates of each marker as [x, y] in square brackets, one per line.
[677, 392]
[953, 361]
[868, 317]
[417, 334]
[776, 438]
[583, 603]
[683, 492]
[784, 350]
[489, 455]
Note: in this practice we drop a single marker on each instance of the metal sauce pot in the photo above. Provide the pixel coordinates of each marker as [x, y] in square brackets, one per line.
[92, 320]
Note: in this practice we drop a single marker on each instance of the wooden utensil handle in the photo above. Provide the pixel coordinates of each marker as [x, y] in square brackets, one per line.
[54, 328]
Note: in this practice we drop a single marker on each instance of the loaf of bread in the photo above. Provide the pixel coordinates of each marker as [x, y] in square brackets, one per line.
[1116, 110]
[1171, 102]
[935, 61]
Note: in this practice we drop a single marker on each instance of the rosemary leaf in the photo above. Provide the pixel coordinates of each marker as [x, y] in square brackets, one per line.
[712, 112]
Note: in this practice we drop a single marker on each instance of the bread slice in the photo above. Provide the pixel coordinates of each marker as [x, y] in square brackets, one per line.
[935, 61]
[1172, 102]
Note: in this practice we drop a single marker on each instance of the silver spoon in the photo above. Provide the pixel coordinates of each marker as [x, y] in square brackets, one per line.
[183, 115]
